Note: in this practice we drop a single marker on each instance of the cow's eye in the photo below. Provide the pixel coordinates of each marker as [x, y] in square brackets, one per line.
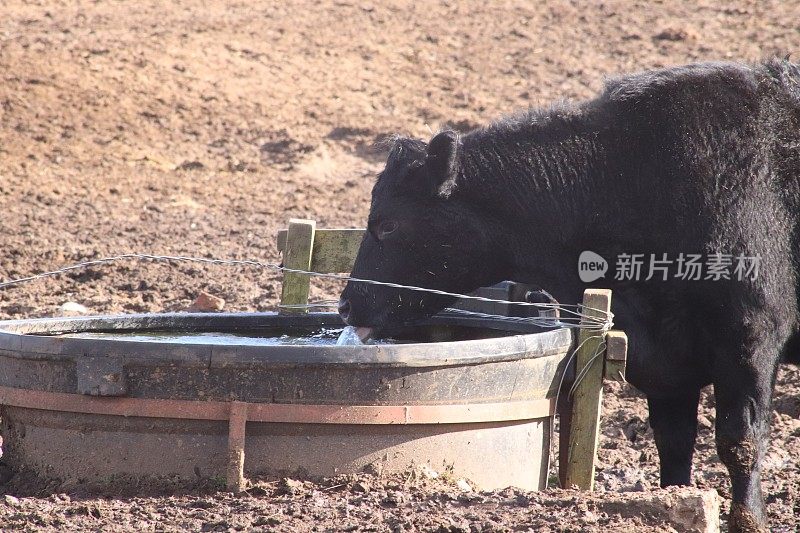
[386, 228]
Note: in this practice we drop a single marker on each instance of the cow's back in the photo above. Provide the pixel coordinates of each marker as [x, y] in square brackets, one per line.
[692, 141]
[710, 154]
[780, 83]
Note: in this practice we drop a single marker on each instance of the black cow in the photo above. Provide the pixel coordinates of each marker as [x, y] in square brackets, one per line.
[701, 159]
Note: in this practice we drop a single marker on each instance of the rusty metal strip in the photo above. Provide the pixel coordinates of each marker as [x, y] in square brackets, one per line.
[273, 412]
[403, 414]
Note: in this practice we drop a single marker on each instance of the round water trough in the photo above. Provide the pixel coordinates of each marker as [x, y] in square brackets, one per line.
[92, 398]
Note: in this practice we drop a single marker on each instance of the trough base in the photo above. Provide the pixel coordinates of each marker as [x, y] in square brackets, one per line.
[97, 448]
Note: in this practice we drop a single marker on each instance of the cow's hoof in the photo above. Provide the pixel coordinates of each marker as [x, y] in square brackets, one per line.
[742, 520]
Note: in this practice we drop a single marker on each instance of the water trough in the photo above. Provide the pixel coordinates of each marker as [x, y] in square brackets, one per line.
[92, 398]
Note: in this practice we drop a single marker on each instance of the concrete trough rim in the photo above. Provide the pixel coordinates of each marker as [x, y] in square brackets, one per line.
[25, 339]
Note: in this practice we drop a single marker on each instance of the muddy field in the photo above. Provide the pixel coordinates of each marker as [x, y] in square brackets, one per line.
[201, 127]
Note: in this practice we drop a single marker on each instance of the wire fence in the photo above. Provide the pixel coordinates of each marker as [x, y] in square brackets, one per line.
[570, 315]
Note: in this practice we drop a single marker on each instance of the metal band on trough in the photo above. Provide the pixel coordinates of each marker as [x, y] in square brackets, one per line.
[286, 413]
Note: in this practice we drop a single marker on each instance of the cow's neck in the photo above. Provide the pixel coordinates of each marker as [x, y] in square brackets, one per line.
[547, 190]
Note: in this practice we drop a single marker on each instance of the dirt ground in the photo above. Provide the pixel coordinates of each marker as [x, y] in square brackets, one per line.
[200, 127]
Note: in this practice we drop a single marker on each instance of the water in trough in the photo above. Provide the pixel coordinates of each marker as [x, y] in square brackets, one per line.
[328, 336]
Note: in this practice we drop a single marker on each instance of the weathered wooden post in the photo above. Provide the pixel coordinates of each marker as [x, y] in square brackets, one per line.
[586, 402]
[237, 422]
[616, 355]
[297, 255]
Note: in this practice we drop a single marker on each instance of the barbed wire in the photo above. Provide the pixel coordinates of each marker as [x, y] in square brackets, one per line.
[577, 316]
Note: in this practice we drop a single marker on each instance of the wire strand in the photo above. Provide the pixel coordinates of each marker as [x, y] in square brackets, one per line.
[603, 322]
[577, 316]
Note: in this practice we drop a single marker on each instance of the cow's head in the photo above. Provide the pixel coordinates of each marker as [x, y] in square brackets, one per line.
[423, 232]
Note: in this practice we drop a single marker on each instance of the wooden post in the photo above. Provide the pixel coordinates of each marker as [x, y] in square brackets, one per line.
[235, 479]
[586, 402]
[616, 355]
[297, 254]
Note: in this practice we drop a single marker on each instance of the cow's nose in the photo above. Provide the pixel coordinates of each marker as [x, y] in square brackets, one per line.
[344, 309]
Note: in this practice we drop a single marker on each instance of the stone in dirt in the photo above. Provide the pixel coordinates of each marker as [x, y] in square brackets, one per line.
[190, 165]
[74, 308]
[206, 303]
[426, 472]
[463, 485]
[12, 501]
[362, 487]
[687, 509]
[291, 486]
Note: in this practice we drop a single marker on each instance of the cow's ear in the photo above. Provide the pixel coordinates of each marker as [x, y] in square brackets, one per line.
[441, 163]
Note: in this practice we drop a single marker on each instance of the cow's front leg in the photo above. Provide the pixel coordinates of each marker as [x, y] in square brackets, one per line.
[674, 423]
[743, 390]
